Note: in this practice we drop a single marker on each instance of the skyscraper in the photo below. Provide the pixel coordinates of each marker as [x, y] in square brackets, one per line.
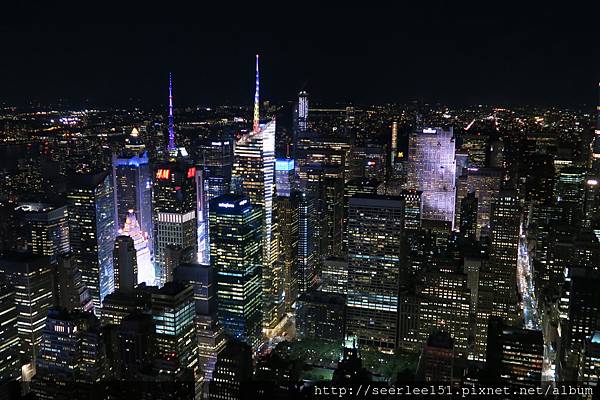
[485, 183]
[582, 318]
[216, 159]
[356, 186]
[589, 366]
[254, 170]
[47, 229]
[333, 275]
[236, 254]
[141, 243]
[71, 292]
[173, 313]
[31, 277]
[302, 111]
[514, 356]
[307, 247]
[431, 169]
[71, 352]
[92, 231]
[497, 291]
[133, 186]
[10, 367]
[505, 233]
[203, 245]
[175, 205]
[324, 184]
[394, 145]
[595, 146]
[233, 368]
[284, 176]
[175, 208]
[210, 332]
[288, 213]
[445, 304]
[375, 260]
[468, 216]
[125, 264]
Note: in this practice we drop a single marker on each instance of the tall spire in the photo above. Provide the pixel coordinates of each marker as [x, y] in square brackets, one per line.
[255, 125]
[171, 125]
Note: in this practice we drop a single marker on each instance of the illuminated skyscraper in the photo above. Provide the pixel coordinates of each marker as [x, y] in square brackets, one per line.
[356, 186]
[485, 183]
[412, 209]
[133, 186]
[595, 146]
[47, 229]
[92, 231]
[141, 243]
[10, 367]
[288, 212]
[254, 170]
[125, 264]
[71, 351]
[375, 228]
[236, 254]
[445, 303]
[589, 366]
[325, 185]
[211, 335]
[173, 310]
[284, 176]
[394, 145]
[302, 111]
[514, 356]
[505, 227]
[569, 193]
[175, 206]
[581, 319]
[333, 276]
[497, 291]
[203, 245]
[307, 246]
[216, 159]
[31, 277]
[431, 169]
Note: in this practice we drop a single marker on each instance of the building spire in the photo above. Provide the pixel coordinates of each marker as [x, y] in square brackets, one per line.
[255, 125]
[171, 125]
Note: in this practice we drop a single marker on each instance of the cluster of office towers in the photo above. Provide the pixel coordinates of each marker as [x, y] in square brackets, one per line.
[235, 244]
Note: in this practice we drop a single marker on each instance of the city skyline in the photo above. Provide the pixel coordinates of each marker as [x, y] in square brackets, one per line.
[314, 237]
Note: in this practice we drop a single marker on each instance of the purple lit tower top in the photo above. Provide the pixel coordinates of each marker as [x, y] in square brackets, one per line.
[171, 124]
[255, 125]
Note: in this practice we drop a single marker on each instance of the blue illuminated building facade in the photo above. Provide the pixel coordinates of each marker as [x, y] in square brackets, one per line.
[92, 231]
[284, 176]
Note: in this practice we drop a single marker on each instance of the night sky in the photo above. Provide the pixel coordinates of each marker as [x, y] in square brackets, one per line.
[435, 52]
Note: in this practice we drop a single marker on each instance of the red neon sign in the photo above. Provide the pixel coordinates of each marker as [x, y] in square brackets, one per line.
[191, 172]
[163, 173]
